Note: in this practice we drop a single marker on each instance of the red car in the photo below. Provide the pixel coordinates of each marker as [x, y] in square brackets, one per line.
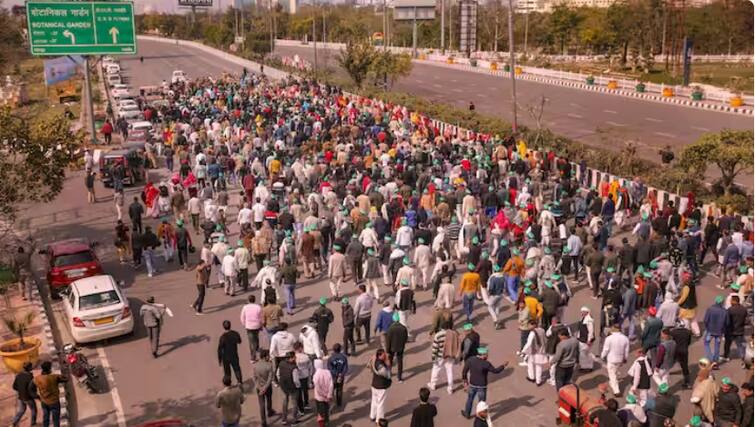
[70, 260]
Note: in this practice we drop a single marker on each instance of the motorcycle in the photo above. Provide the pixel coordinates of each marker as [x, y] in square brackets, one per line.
[79, 367]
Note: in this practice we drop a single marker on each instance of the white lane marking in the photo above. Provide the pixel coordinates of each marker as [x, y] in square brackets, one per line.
[650, 119]
[576, 116]
[456, 89]
[664, 134]
[700, 128]
[420, 82]
[616, 124]
[119, 414]
[437, 85]
[610, 111]
[574, 105]
[481, 95]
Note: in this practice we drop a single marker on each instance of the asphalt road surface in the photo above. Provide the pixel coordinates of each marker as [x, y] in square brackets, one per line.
[184, 380]
[574, 113]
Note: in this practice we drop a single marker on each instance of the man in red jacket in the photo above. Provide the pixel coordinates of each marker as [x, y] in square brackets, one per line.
[107, 131]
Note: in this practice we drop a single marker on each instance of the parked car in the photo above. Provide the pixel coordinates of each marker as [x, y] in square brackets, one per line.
[70, 260]
[113, 68]
[97, 309]
[133, 166]
[129, 112]
[113, 79]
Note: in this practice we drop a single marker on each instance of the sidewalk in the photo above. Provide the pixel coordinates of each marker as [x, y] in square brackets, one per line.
[7, 394]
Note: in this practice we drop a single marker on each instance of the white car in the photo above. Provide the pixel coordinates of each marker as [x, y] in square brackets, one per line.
[127, 102]
[114, 79]
[113, 69]
[119, 91]
[129, 112]
[97, 309]
[178, 76]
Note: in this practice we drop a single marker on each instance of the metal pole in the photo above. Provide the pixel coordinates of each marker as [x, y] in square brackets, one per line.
[526, 29]
[451, 25]
[512, 59]
[90, 107]
[442, 26]
[414, 34]
[314, 37]
[385, 24]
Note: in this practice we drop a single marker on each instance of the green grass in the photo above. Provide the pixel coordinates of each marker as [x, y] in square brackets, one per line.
[736, 77]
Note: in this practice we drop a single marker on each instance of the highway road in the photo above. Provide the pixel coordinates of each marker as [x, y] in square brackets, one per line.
[574, 113]
[184, 380]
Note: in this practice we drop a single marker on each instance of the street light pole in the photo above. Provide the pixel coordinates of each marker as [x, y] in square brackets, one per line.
[442, 26]
[512, 59]
[314, 35]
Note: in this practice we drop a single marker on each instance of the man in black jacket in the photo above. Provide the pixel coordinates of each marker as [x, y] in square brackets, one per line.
[149, 242]
[288, 380]
[683, 337]
[396, 338]
[25, 389]
[135, 212]
[748, 417]
[735, 332]
[475, 377]
[665, 407]
[322, 317]
[728, 410]
[228, 351]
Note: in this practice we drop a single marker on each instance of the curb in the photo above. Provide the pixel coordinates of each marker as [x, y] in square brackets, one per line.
[54, 352]
[595, 88]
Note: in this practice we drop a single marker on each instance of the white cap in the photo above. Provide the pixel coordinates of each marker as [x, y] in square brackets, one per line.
[584, 309]
[481, 406]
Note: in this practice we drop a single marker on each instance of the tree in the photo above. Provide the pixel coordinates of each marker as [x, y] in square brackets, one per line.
[34, 160]
[730, 150]
[357, 59]
[10, 40]
[387, 67]
[563, 21]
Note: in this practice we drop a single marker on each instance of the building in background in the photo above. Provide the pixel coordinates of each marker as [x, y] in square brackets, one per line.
[531, 6]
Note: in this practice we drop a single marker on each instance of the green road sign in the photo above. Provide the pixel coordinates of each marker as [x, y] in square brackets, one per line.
[85, 28]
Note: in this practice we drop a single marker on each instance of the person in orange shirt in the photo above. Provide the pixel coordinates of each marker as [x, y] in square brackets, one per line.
[469, 287]
[514, 271]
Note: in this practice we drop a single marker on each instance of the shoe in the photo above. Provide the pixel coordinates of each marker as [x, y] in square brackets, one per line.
[723, 359]
[464, 414]
[154, 354]
[199, 313]
[149, 274]
[523, 364]
[450, 391]
[499, 326]
[431, 388]
[530, 379]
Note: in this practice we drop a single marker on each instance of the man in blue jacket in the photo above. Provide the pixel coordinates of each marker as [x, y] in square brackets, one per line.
[384, 321]
[716, 321]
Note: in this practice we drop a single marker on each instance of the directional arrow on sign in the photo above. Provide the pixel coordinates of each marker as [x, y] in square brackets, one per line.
[114, 32]
[69, 35]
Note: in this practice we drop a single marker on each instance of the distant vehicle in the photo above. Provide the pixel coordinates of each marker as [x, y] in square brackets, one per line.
[97, 309]
[129, 111]
[178, 76]
[114, 79]
[113, 68]
[70, 260]
[119, 91]
[130, 160]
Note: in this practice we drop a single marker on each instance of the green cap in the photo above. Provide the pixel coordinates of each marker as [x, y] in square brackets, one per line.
[470, 266]
[565, 250]
[406, 260]
[653, 265]
[239, 243]
[180, 223]
[344, 300]
[467, 327]
[496, 267]
[548, 283]
[647, 274]
[719, 299]
[323, 300]
[735, 286]
[529, 262]
[485, 254]
[515, 251]
[631, 398]
[504, 242]
[547, 250]
[527, 283]
[726, 381]
[404, 282]
[556, 276]
[421, 241]
[475, 240]
[370, 251]
[482, 350]
[695, 421]
[396, 317]
[663, 388]
[387, 238]
[229, 251]
[336, 247]
[743, 269]
[640, 269]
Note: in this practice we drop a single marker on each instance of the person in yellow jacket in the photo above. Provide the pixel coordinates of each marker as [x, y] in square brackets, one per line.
[469, 287]
[514, 271]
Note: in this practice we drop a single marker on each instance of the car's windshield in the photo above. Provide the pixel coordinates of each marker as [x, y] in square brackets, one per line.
[102, 299]
[73, 259]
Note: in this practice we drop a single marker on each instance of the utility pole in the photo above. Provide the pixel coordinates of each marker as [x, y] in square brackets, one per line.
[90, 100]
[414, 33]
[512, 59]
[314, 35]
[526, 29]
[451, 25]
[443, 26]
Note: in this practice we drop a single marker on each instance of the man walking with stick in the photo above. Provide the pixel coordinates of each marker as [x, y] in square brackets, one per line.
[152, 316]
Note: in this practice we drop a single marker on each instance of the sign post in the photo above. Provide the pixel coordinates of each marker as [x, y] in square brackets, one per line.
[85, 28]
[414, 10]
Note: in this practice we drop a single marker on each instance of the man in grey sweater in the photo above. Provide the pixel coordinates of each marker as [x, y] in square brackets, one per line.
[262, 375]
[566, 356]
[363, 312]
